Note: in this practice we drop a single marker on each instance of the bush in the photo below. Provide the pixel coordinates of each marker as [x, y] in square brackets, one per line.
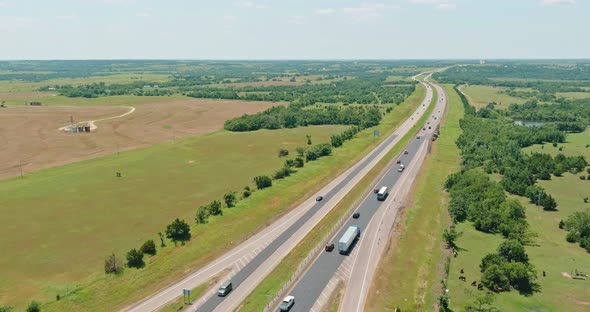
[113, 265]
[283, 152]
[215, 208]
[149, 247]
[282, 173]
[583, 177]
[571, 237]
[135, 259]
[262, 182]
[34, 306]
[561, 224]
[178, 231]
[202, 215]
[230, 199]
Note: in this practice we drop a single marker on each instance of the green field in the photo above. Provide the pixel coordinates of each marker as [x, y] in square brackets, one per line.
[26, 86]
[120, 214]
[271, 284]
[573, 95]
[93, 213]
[553, 255]
[479, 96]
[575, 145]
[119, 100]
[408, 276]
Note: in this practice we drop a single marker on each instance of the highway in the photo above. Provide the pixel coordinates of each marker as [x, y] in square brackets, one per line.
[309, 291]
[253, 259]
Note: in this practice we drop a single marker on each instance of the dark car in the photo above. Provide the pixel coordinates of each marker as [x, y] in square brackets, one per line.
[424, 128]
[376, 191]
[356, 215]
[429, 127]
[319, 198]
[418, 137]
[329, 246]
[406, 151]
[399, 162]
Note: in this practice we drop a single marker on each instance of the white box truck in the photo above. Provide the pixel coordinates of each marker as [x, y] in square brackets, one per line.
[351, 234]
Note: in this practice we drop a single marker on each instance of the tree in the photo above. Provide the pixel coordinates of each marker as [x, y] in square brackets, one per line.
[215, 208]
[135, 259]
[482, 303]
[444, 303]
[548, 202]
[308, 139]
[494, 277]
[178, 231]
[230, 199]
[162, 243]
[450, 235]
[301, 151]
[513, 251]
[247, 192]
[262, 182]
[113, 265]
[299, 162]
[283, 152]
[34, 306]
[202, 215]
[149, 247]
[5, 309]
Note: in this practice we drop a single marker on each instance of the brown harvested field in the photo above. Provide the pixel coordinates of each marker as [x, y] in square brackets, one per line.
[23, 95]
[30, 135]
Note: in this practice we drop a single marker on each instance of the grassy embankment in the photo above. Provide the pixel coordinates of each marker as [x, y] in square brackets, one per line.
[553, 254]
[265, 291]
[410, 271]
[93, 213]
[152, 197]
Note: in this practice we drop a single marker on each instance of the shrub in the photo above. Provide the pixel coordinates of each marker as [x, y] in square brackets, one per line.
[263, 182]
[571, 237]
[34, 306]
[135, 259]
[283, 152]
[113, 265]
[178, 231]
[561, 224]
[583, 177]
[149, 247]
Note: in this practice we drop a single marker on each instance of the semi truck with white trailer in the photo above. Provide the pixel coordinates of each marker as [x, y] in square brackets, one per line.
[352, 233]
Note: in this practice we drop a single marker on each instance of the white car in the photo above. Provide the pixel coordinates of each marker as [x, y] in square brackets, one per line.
[287, 303]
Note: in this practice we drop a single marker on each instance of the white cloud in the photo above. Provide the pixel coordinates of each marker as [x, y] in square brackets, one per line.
[251, 5]
[447, 6]
[67, 17]
[297, 19]
[366, 11]
[325, 11]
[443, 5]
[143, 14]
[562, 2]
[230, 17]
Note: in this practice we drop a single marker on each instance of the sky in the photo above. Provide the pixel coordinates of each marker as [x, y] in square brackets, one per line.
[294, 29]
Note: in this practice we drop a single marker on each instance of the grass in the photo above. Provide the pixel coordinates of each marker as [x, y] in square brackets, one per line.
[27, 86]
[93, 213]
[573, 95]
[480, 96]
[335, 298]
[140, 204]
[118, 100]
[179, 304]
[552, 255]
[575, 145]
[269, 287]
[409, 271]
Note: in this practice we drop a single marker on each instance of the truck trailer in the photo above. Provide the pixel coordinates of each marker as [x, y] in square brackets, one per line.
[351, 234]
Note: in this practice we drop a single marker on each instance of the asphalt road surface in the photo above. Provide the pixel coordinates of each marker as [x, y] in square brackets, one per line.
[313, 282]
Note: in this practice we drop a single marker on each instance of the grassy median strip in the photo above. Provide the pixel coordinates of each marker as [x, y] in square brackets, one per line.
[179, 304]
[267, 289]
[408, 275]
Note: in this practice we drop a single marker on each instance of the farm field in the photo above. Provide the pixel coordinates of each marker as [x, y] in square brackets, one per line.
[553, 255]
[95, 207]
[479, 96]
[573, 95]
[30, 137]
[416, 248]
[575, 145]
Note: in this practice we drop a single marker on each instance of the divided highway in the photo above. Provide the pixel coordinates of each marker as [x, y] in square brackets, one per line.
[252, 260]
[309, 291]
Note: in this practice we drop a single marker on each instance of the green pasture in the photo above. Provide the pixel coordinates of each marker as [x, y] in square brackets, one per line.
[479, 96]
[577, 144]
